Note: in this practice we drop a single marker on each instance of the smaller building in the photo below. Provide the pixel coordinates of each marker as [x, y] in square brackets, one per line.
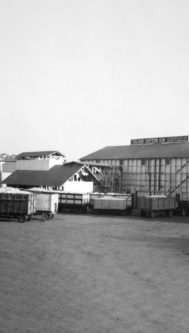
[56, 178]
[39, 160]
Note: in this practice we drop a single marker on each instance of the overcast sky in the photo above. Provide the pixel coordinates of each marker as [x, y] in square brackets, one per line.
[78, 75]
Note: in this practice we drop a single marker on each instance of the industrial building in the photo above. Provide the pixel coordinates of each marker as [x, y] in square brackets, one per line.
[148, 166]
[49, 169]
[40, 160]
[55, 178]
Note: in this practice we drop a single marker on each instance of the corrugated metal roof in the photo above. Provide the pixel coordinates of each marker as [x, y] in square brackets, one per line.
[56, 176]
[35, 154]
[177, 150]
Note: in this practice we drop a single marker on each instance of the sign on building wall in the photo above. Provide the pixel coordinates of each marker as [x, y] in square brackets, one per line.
[168, 139]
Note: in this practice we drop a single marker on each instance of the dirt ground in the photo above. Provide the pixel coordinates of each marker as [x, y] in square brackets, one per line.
[95, 274]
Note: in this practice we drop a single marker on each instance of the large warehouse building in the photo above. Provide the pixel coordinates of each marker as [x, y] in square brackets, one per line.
[148, 166]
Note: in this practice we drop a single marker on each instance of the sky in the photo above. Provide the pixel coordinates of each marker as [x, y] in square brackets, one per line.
[79, 75]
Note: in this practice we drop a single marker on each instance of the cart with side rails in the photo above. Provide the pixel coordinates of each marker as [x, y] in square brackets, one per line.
[151, 206]
[17, 205]
[46, 203]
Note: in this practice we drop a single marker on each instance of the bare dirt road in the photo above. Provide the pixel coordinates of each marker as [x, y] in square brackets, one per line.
[95, 274]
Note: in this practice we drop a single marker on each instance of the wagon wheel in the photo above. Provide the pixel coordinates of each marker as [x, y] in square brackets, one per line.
[21, 218]
[183, 212]
[142, 213]
[152, 214]
[170, 213]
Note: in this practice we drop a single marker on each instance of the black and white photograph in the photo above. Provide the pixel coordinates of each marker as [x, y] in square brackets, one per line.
[94, 166]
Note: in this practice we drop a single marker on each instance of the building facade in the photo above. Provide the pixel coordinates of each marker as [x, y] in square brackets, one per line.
[40, 160]
[148, 166]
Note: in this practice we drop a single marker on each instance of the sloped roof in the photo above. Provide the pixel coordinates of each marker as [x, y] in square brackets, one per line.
[10, 158]
[177, 150]
[35, 154]
[102, 165]
[7, 158]
[56, 176]
[27, 177]
[59, 174]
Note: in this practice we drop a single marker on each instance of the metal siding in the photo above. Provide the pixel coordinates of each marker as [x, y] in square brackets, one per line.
[156, 177]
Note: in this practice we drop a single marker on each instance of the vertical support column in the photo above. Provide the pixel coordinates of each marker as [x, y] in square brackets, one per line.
[1, 173]
[155, 174]
[159, 180]
[121, 175]
[149, 176]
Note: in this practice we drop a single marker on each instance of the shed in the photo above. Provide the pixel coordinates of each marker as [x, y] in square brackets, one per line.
[54, 178]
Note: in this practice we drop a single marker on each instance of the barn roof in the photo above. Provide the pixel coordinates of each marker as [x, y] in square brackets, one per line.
[56, 176]
[166, 150]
